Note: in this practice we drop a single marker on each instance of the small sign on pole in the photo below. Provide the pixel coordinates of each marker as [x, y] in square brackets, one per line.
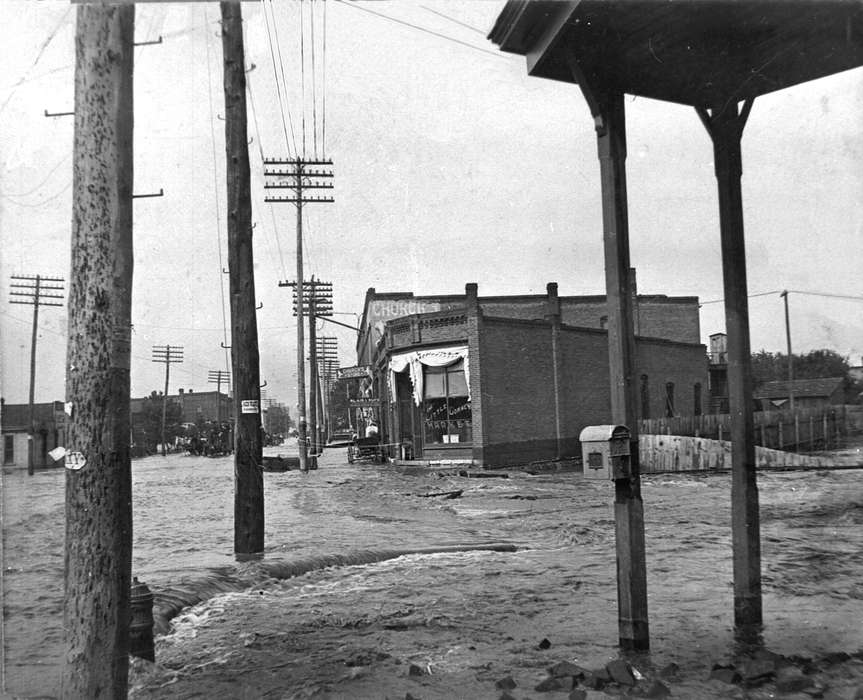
[249, 406]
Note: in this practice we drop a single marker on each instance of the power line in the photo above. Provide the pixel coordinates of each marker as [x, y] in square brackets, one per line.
[750, 296]
[47, 177]
[37, 59]
[303, 74]
[324, 87]
[793, 291]
[314, 79]
[423, 29]
[42, 203]
[216, 193]
[827, 294]
[261, 151]
[453, 19]
[286, 106]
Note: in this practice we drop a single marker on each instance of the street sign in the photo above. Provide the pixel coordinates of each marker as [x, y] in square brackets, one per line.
[354, 372]
[365, 403]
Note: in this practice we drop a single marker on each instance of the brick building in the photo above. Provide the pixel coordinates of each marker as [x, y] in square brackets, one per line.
[195, 406]
[511, 379]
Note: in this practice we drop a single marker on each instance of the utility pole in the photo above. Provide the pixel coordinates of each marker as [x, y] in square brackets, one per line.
[317, 302]
[98, 503]
[327, 353]
[217, 376]
[166, 354]
[784, 296]
[34, 291]
[245, 358]
[318, 299]
[303, 175]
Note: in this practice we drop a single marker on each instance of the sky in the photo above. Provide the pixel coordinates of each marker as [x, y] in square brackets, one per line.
[451, 165]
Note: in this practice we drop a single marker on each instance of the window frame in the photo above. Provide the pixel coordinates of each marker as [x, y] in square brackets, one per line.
[462, 427]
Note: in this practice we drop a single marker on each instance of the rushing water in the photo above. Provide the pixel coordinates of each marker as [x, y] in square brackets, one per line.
[465, 618]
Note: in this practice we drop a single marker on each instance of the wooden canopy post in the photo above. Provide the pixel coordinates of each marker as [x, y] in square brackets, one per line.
[725, 126]
[610, 121]
[98, 556]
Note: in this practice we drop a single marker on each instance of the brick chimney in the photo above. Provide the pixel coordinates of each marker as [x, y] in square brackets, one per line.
[552, 308]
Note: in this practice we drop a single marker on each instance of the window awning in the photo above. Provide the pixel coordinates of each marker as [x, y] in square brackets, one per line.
[414, 361]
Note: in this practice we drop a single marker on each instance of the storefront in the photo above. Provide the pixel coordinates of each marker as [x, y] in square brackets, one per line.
[499, 381]
[430, 389]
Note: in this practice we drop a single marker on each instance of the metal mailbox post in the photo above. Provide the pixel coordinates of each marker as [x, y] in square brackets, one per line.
[605, 452]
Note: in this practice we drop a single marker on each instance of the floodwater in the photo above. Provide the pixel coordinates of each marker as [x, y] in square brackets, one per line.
[459, 620]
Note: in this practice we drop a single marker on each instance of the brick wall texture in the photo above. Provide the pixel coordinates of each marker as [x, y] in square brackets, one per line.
[518, 419]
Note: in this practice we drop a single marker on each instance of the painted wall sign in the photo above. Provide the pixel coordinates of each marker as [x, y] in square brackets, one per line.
[354, 372]
[395, 308]
[249, 406]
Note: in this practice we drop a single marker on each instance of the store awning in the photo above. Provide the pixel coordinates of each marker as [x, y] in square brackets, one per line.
[414, 361]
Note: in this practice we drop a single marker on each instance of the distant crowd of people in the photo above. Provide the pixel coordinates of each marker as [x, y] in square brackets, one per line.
[212, 440]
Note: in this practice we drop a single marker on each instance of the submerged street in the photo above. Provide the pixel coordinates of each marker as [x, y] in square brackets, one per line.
[446, 625]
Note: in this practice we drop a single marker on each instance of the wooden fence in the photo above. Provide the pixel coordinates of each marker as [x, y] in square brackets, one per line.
[804, 430]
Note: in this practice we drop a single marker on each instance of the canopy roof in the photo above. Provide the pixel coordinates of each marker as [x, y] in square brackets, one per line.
[694, 52]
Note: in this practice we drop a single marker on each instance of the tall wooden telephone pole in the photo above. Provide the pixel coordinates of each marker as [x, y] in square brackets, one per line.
[217, 376]
[98, 555]
[245, 359]
[303, 175]
[166, 354]
[317, 302]
[35, 292]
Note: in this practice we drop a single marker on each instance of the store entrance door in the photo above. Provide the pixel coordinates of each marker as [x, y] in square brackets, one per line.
[410, 435]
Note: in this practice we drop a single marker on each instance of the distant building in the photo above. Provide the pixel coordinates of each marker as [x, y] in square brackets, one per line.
[717, 371]
[512, 379]
[195, 406]
[808, 393]
[50, 424]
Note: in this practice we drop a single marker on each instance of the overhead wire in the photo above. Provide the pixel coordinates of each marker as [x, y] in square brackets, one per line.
[284, 84]
[827, 294]
[324, 85]
[749, 296]
[36, 205]
[5, 195]
[454, 20]
[218, 204]
[314, 79]
[423, 29]
[39, 54]
[261, 152]
[792, 291]
[303, 73]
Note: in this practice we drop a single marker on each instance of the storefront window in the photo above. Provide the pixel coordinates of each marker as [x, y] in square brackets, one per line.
[446, 407]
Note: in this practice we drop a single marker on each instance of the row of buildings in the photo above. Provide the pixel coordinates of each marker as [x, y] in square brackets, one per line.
[499, 380]
[50, 421]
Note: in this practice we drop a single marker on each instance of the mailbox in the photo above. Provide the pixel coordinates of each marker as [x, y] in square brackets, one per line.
[605, 451]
